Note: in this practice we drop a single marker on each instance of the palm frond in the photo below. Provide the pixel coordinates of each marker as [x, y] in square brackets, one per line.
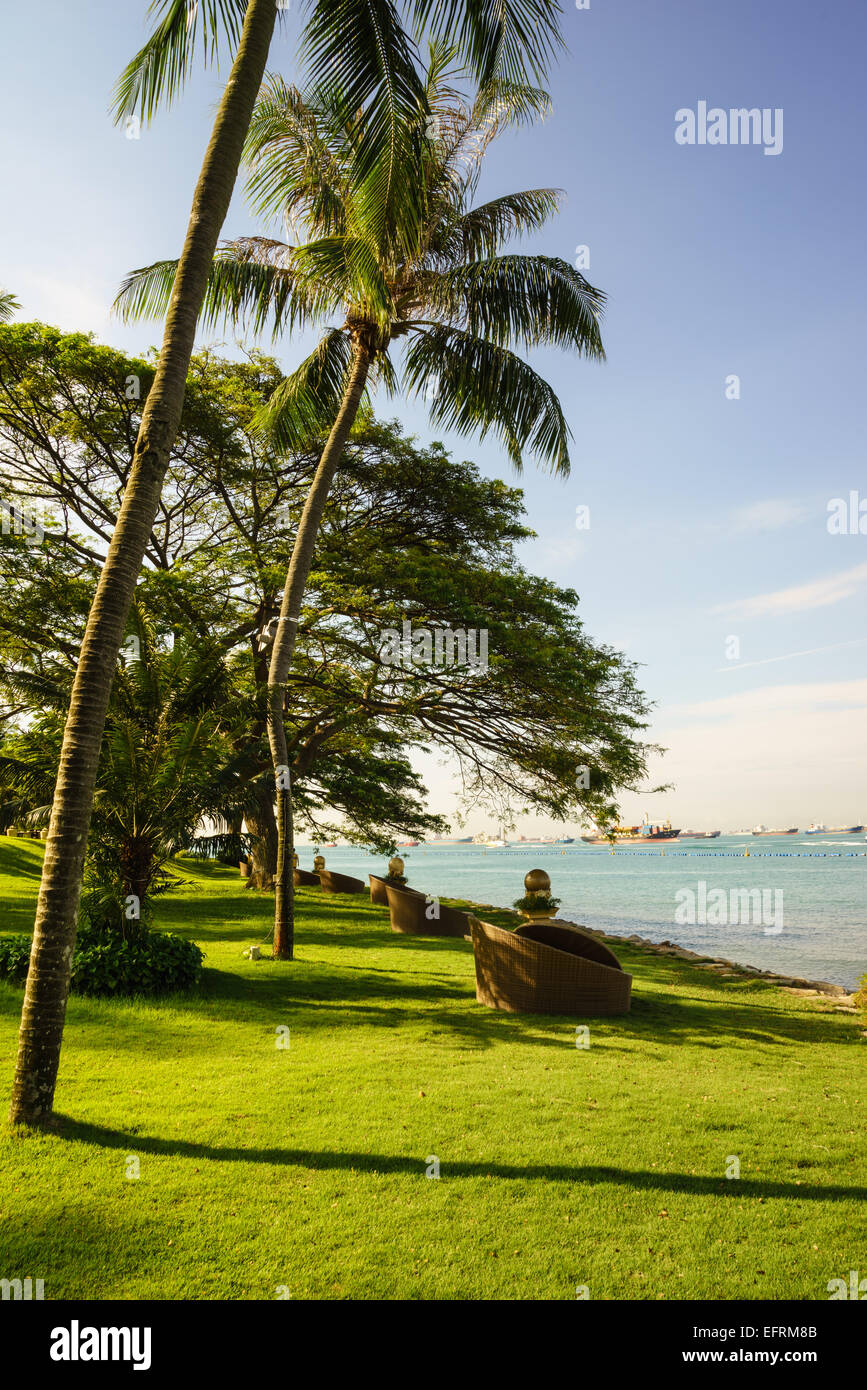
[482, 230]
[296, 161]
[511, 39]
[524, 299]
[477, 386]
[252, 280]
[161, 68]
[359, 50]
[305, 404]
[8, 306]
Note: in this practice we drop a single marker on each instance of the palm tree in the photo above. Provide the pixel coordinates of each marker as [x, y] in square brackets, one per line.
[167, 762]
[432, 279]
[362, 45]
[161, 66]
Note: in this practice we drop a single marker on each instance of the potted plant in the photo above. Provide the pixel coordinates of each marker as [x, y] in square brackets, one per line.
[537, 905]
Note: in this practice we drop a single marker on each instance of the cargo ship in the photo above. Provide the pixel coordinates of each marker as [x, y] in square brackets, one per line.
[492, 841]
[763, 830]
[645, 834]
[699, 834]
[815, 829]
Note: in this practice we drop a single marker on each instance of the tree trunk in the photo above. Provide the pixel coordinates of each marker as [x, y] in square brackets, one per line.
[262, 824]
[54, 933]
[284, 642]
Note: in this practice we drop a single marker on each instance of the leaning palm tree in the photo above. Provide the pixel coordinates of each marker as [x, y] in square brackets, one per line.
[433, 289]
[363, 45]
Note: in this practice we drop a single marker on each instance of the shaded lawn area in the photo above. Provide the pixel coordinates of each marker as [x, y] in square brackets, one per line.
[302, 1169]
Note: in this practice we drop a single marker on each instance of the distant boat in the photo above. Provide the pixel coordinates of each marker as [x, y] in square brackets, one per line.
[699, 834]
[645, 834]
[407, 844]
[491, 841]
[763, 830]
[567, 840]
[815, 829]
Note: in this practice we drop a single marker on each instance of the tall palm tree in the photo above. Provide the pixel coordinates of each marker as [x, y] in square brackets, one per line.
[432, 280]
[362, 44]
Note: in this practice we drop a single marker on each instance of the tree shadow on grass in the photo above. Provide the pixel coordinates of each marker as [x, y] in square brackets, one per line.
[732, 1011]
[329, 1160]
[448, 1009]
[19, 861]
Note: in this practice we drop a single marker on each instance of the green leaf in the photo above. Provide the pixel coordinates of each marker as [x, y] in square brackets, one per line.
[160, 69]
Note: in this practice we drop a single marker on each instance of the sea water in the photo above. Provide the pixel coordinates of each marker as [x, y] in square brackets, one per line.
[818, 883]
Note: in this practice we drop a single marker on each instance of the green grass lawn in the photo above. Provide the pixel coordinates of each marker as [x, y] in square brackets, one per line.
[304, 1168]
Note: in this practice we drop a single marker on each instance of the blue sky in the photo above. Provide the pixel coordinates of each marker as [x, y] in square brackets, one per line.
[708, 516]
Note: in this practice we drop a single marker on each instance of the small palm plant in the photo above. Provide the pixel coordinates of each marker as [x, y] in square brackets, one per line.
[167, 763]
[9, 306]
[408, 268]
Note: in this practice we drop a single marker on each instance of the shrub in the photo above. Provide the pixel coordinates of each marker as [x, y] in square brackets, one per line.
[14, 958]
[537, 902]
[861, 993]
[105, 964]
[153, 963]
[397, 879]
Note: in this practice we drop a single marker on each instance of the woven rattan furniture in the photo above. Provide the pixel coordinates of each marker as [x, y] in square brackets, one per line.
[409, 915]
[377, 890]
[339, 883]
[547, 968]
[304, 879]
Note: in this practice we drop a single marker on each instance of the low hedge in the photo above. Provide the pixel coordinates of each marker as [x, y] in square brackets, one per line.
[154, 962]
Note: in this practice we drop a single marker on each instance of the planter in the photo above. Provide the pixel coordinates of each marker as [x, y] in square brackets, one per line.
[538, 916]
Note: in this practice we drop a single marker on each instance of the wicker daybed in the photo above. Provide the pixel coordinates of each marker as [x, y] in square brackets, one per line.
[547, 968]
[409, 911]
[377, 890]
[339, 883]
[304, 879]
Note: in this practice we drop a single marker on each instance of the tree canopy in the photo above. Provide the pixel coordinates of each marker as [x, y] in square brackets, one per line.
[411, 535]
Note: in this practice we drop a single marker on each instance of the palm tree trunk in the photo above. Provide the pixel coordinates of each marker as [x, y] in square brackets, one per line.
[284, 643]
[54, 933]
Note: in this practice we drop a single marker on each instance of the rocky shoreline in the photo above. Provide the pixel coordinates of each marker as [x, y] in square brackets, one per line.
[718, 965]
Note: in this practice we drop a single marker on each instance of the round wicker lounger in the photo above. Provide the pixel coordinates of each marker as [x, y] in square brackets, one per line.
[377, 890]
[547, 968]
[340, 883]
[409, 915]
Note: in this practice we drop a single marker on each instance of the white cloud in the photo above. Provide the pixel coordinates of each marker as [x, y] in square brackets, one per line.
[819, 697]
[819, 593]
[784, 754]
